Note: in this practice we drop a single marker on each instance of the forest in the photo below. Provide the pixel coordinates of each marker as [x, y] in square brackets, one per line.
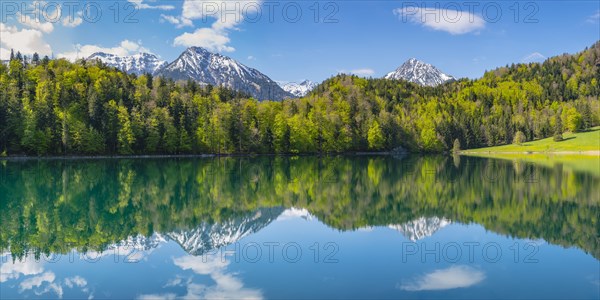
[55, 107]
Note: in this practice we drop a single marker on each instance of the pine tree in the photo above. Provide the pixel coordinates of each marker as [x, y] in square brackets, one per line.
[35, 59]
[456, 146]
[558, 128]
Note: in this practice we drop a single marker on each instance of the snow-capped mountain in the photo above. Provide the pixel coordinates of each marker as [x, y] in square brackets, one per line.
[206, 67]
[140, 242]
[204, 237]
[420, 228]
[297, 89]
[419, 72]
[139, 64]
[209, 236]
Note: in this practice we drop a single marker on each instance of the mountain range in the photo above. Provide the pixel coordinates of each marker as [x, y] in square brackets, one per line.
[205, 67]
[215, 69]
[209, 236]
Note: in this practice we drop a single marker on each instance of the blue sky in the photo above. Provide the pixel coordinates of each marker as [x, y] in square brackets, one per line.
[368, 38]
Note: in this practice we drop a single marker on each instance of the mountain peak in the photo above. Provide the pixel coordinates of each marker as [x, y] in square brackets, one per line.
[413, 62]
[206, 67]
[416, 71]
[197, 49]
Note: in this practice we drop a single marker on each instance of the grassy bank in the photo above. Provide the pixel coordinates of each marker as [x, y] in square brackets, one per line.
[570, 162]
[573, 143]
[577, 152]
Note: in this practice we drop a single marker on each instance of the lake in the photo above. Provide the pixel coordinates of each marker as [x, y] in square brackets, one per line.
[299, 227]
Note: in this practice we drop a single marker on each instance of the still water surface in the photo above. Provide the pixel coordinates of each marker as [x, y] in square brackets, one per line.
[299, 227]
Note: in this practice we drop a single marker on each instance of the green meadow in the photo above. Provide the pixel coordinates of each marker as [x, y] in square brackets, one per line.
[572, 142]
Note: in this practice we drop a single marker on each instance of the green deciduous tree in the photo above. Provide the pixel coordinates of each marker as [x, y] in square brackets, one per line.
[375, 136]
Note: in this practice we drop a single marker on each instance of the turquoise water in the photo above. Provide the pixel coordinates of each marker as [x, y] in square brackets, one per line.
[298, 227]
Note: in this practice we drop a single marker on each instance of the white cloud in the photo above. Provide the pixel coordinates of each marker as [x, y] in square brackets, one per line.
[36, 281]
[452, 21]
[168, 296]
[141, 5]
[358, 72]
[35, 23]
[4, 54]
[363, 72]
[76, 281]
[533, 57]
[73, 21]
[209, 38]
[295, 213]
[445, 279]
[595, 18]
[9, 270]
[178, 21]
[177, 281]
[27, 41]
[250, 57]
[126, 47]
[227, 286]
[203, 265]
[227, 15]
[52, 287]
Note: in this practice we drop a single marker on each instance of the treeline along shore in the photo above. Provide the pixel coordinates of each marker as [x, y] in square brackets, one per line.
[58, 108]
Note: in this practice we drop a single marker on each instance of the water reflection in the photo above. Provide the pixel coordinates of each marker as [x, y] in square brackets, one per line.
[191, 218]
[457, 276]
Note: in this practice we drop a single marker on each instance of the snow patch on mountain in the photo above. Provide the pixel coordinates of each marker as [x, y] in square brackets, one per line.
[420, 228]
[138, 64]
[419, 72]
[297, 89]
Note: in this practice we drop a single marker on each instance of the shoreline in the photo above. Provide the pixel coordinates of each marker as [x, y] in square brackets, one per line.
[382, 153]
[154, 156]
[585, 152]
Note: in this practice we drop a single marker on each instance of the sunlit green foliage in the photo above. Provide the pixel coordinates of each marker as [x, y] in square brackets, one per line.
[53, 107]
